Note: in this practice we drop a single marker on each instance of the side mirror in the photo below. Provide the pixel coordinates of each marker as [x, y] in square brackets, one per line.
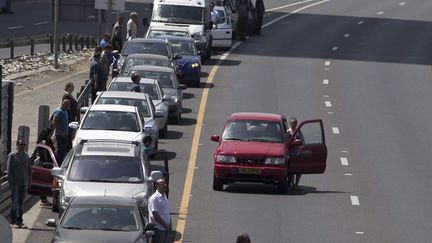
[297, 143]
[215, 138]
[155, 175]
[166, 98]
[83, 109]
[182, 87]
[57, 172]
[51, 223]
[159, 114]
[177, 56]
[145, 21]
[74, 125]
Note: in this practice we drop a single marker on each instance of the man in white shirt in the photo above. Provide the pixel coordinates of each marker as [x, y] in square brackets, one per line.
[159, 213]
[214, 14]
[132, 26]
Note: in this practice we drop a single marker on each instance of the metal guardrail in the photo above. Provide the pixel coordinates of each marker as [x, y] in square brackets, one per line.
[67, 42]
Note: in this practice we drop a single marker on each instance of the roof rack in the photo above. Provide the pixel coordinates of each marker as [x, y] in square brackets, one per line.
[110, 141]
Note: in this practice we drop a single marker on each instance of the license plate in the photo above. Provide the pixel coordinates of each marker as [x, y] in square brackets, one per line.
[250, 171]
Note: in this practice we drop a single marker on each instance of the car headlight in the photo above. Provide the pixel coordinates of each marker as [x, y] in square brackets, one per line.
[141, 199]
[174, 99]
[275, 161]
[195, 65]
[225, 159]
[67, 197]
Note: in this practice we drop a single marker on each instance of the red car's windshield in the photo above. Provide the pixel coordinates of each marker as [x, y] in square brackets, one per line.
[254, 130]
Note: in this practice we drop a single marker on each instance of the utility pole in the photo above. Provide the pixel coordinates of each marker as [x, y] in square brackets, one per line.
[56, 42]
[108, 16]
[99, 25]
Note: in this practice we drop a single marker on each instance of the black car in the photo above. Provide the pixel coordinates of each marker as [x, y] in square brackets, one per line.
[102, 219]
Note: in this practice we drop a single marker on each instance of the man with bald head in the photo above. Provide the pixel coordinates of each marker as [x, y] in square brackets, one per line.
[60, 122]
[159, 213]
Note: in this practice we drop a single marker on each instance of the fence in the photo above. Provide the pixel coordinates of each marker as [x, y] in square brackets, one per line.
[66, 42]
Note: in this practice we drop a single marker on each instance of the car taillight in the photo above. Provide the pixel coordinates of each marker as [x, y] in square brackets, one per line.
[56, 184]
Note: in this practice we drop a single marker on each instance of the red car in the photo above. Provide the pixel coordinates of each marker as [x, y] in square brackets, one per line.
[255, 147]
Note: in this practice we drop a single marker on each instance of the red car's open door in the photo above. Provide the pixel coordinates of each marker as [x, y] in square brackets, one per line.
[44, 161]
[310, 155]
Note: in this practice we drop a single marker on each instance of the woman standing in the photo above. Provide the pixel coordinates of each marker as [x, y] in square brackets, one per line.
[298, 135]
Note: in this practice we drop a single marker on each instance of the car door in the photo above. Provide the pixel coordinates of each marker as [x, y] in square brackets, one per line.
[309, 155]
[44, 161]
[222, 34]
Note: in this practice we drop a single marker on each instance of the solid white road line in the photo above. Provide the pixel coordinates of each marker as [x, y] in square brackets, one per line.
[335, 130]
[327, 63]
[344, 161]
[41, 23]
[402, 3]
[15, 27]
[330, 112]
[328, 103]
[347, 35]
[355, 201]
[335, 48]
[359, 232]
[360, 22]
[325, 81]
[348, 174]
[381, 12]
[344, 151]
[288, 5]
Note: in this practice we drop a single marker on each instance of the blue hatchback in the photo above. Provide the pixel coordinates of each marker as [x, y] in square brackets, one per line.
[188, 61]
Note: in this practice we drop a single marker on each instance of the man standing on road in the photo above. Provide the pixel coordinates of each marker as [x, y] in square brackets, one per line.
[242, 23]
[119, 23]
[19, 178]
[214, 15]
[105, 40]
[136, 78]
[7, 7]
[159, 213]
[132, 26]
[260, 10]
[73, 111]
[60, 122]
[117, 39]
[98, 76]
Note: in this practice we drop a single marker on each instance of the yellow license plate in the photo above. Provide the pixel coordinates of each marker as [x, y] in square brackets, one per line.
[250, 171]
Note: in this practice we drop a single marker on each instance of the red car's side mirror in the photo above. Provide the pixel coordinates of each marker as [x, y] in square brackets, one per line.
[215, 138]
[297, 143]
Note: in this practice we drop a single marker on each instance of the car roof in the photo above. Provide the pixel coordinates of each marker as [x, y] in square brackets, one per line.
[148, 56]
[110, 107]
[255, 116]
[151, 68]
[104, 200]
[123, 94]
[169, 27]
[108, 148]
[148, 40]
[128, 79]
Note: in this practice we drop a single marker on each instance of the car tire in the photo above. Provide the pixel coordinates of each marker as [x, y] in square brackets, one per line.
[282, 187]
[217, 184]
[163, 131]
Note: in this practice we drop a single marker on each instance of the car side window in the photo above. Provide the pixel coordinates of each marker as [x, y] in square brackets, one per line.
[67, 159]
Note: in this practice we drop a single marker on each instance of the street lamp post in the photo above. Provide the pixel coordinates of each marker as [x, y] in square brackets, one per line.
[56, 43]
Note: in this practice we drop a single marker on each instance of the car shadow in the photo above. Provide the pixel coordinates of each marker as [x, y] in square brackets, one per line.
[184, 121]
[255, 188]
[172, 135]
[204, 74]
[186, 110]
[187, 96]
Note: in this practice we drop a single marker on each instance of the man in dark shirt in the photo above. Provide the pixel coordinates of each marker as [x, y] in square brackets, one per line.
[60, 122]
[136, 78]
[19, 178]
[98, 75]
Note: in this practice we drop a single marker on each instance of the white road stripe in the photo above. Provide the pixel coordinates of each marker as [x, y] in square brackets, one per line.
[359, 232]
[335, 48]
[344, 161]
[335, 130]
[347, 35]
[360, 22]
[344, 151]
[355, 201]
[41, 23]
[326, 96]
[381, 12]
[328, 103]
[327, 69]
[348, 174]
[288, 5]
[325, 81]
[402, 3]
[15, 27]
[330, 112]
[327, 63]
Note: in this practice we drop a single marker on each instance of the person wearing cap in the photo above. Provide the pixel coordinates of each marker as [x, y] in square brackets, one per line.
[132, 26]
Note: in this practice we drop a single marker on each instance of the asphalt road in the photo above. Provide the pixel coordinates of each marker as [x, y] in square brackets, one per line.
[361, 66]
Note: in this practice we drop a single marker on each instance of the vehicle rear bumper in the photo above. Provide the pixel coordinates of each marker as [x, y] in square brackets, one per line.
[231, 173]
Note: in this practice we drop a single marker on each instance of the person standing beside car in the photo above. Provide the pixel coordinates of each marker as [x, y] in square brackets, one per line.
[158, 210]
[73, 110]
[298, 135]
[60, 122]
[260, 10]
[242, 23]
[132, 26]
[19, 178]
[213, 13]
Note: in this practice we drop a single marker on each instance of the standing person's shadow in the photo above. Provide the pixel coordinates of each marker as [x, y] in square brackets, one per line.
[5, 230]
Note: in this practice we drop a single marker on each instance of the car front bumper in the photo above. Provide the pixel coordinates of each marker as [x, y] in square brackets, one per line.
[267, 174]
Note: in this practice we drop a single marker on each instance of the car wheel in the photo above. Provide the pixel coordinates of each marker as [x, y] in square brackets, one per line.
[217, 184]
[282, 187]
[163, 131]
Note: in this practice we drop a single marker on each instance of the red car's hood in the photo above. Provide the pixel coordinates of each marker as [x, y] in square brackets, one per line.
[253, 149]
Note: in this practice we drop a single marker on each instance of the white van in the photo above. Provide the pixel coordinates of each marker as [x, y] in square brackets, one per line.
[192, 14]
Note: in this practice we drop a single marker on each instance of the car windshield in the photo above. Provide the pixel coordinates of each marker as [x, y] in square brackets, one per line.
[101, 217]
[178, 14]
[111, 120]
[221, 13]
[183, 47]
[150, 89]
[136, 47]
[254, 130]
[156, 33]
[130, 62]
[140, 103]
[166, 79]
[106, 169]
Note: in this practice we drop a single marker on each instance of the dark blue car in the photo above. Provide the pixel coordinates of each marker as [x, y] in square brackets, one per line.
[189, 61]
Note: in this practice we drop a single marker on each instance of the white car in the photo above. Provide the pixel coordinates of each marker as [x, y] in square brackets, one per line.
[155, 31]
[150, 87]
[145, 108]
[110, 122]
[222, 29]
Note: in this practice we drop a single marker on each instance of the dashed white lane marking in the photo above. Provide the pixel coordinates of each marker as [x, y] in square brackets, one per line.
[344, 151]
[344, 161]
[41, 23]
[15, 27]
[355, 201]
[327, 69]
[360, 22]
[330, 112]
[402, 3]
[348, 174]
[359, 232]
[380, 12]
[334, 48]
[328, 103]
[289, 5]
[335, 130]
[326, 96]
[347, 35]
[325, 81]
[327, 63]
